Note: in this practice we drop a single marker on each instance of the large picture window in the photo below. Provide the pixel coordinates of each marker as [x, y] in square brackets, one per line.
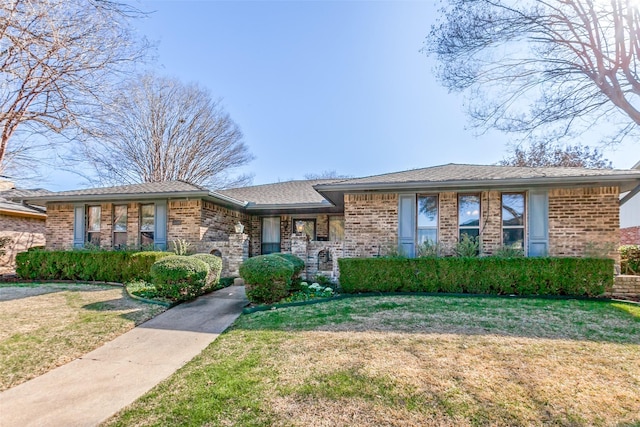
[513, 220]
[147, 224]
[120, 226]
[469, 215]
[94, 216]
[427, 219]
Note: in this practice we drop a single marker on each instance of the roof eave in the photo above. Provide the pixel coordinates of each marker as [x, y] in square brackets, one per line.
[77, 198]
[286, 206]
[468, 184]
[23, 214]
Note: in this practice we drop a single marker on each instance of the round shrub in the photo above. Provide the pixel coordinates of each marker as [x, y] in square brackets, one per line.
[179, 278]
[267, 278]
[298, 263]
[140, 263]
[215, 268]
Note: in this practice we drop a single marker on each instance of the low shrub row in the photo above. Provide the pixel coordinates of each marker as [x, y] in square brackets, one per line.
[107, 266]
[490, 275]
[630, 259]
[270, 278]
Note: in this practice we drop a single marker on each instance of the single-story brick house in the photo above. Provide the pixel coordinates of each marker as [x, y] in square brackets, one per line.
[630, 215]
[22, 224]
[545, 211]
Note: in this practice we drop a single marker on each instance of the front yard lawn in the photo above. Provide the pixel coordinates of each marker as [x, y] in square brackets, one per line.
[45, 326]
[411, 361]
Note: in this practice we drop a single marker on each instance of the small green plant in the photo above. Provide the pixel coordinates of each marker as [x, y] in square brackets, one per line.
[181, 247]
[179, 278]
[390, 250]
[509, 251]
[430, 249]
[310, 291]
[467, 247]
[323, 280]
[267, 278]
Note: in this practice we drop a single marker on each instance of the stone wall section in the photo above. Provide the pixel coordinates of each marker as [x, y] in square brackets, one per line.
[580, 218]
[24, 232]
[59, 226]
[371, 224]
[630, 236]
[625, 287]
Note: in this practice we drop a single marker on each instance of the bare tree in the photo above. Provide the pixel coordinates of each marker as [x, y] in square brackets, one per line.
[159, 129]
[56, 59]
[328, 174]
[549, 67]
[546, 154]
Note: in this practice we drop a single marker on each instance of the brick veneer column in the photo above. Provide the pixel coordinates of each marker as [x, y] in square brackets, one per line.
[106, 227]
[448, 227]
[491, 227]
[238, 252]
[133, 224]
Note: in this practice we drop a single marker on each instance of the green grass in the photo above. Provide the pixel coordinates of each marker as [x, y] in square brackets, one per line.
[47, 325]
[411, 361]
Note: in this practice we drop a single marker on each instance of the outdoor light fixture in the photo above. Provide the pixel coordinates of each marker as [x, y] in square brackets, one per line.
[299, 228]
[239, 227]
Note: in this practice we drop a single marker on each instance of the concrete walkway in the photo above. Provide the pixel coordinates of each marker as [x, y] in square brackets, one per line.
[90, 389]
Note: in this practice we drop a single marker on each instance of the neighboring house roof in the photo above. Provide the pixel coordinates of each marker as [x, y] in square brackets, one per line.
[469, 177]
[281, 194]
[145, 191]
[11, 203]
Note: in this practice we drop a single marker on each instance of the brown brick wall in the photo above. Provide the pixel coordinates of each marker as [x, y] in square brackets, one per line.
[219, 222]
[59, 232]
[371, 224]
[581, 217]
[133, 224]
[106, 225]
[184, 221]
[24, 233]
[630, 236]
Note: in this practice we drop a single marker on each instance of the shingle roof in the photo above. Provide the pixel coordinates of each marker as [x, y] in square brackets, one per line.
[135, 189]
[10, 201]
[6, 205]
[281, 193]
[461, 172]
[21, 194]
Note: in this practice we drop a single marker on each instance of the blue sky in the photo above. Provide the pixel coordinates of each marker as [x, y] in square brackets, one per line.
[322, 85]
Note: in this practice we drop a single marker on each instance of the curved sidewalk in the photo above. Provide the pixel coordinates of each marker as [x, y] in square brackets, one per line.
[90, 389]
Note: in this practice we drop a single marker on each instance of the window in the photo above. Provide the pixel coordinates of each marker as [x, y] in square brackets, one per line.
[147, 224]
[308, 227]
[270, 235]
[119, 226]
[513, 220]
[93, 224]
[469, 215]
[427, 219]
[336, 228]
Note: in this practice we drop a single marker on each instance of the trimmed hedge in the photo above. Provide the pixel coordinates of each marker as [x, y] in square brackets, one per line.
[630, 259]
[106, 266]
[215, 268]
[267, 278]
[180, 278]
[489, 275]
[297, 262]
